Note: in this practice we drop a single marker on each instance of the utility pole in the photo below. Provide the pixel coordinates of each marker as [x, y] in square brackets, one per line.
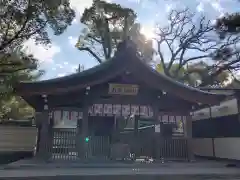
[80, 68]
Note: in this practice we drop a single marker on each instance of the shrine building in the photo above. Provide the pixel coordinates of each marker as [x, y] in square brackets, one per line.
[80, 116]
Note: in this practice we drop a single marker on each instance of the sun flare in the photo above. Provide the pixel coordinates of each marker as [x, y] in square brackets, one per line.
[147, 32]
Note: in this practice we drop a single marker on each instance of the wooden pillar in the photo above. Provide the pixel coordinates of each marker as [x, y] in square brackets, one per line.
[188, 131]
[85, 130]
[136, 119]
[136, 139]
[115, 132]
[238, 105]
[157, 135]
[82, 133]
[213, 143]
[79, 142]
[82, 129]
[41, 117]
[45, 132]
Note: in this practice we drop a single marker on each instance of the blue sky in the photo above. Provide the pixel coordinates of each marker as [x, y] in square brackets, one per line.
[62, 58]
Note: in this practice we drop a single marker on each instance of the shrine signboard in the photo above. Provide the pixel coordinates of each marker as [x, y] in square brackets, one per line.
[123, 89]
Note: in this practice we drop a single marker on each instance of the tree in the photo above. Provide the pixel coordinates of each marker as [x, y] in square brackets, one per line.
[196, 71]
[193, 45]
[12, 106]
[107, 24]
[21, 20]
[230, 25]
[15, 107]
[24, 19]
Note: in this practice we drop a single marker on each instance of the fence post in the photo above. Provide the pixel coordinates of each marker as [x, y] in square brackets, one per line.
[42, 152]
[189, 138]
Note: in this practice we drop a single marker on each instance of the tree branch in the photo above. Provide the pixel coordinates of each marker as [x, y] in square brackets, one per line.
[16, 36]
[162, 59]
[91, 52]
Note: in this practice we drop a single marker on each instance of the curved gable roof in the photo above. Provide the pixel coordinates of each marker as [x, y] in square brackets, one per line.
[125, 59]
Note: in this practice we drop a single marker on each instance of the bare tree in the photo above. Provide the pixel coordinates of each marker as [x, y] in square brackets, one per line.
[189, 40]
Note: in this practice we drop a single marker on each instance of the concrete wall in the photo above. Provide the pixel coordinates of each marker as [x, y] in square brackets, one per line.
[228, 148]
[203, 147]
[224, 147]
[225, 108]
[13, 138]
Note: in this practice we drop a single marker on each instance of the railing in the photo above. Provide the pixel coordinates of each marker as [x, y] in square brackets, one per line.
[151, 145]
[98, 147]
[64, 144]
[173, 149]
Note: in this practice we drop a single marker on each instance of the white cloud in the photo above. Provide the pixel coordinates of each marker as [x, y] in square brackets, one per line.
[135, 1]
[41, 52]
[72, 40]
[74, 68]
[80, 5]
[217, 6]
[61, 75]
[168, 7]
[200, 7]
[59, 66]
[75, 21]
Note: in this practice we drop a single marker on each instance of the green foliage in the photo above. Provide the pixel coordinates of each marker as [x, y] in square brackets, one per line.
[235, 84]
[228, 24]
[12, 106]
[24, 19]
[200, 74]
[173, 68]
[196, 74]
[107, 24]
[19, 21]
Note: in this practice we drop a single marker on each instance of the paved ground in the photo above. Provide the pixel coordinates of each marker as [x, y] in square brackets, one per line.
[169, 170]
[127, 172]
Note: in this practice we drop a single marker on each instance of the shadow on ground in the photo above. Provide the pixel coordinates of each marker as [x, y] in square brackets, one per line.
[9, 157]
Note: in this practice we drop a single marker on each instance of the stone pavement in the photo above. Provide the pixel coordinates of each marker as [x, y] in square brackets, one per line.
[159, 172]
[169, 170]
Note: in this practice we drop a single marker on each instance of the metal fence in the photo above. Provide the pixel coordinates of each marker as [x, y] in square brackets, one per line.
[98, 147]
[64, 144]
[173, 149]
[152, 145]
